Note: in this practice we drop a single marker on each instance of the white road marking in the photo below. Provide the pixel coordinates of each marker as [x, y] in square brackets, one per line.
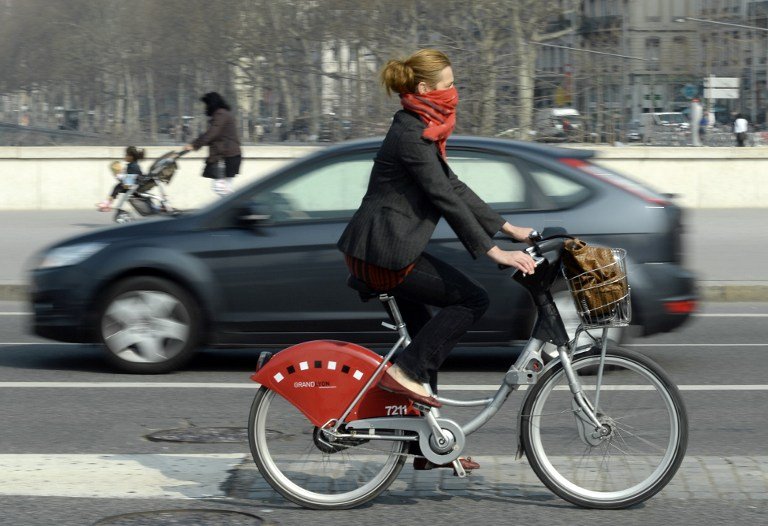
[695, 345]
[332, 365]
[731, 315]
[115, 476]
[2, 344]
[696, 314]
[254, 385]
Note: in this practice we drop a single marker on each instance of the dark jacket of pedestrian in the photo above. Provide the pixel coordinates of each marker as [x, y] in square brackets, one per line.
[220, 137]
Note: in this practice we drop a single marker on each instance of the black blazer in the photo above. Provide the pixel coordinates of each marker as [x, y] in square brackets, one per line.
[410, 189]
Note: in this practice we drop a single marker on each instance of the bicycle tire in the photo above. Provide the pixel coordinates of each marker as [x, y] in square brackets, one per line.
[635, 461]
[291, 460]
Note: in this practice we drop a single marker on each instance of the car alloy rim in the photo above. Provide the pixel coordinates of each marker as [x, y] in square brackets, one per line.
[146, 326]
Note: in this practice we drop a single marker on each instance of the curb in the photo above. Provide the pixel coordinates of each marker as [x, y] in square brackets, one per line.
[719, 291]
[708, 291]
[13, 292]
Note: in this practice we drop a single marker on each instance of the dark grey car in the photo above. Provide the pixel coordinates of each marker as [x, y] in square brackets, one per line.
[261, 267]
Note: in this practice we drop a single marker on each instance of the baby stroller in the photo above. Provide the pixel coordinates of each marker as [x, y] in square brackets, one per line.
[140, 194]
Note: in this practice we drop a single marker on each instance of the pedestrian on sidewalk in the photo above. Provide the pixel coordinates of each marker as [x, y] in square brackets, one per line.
[224, 155]
[740, 128]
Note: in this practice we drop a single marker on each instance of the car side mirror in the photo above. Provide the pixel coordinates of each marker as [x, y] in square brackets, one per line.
[254, 215]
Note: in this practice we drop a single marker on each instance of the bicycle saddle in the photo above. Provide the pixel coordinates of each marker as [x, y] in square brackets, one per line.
[366, 292]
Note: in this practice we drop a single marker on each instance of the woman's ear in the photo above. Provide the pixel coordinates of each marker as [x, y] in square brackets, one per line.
[422, 88]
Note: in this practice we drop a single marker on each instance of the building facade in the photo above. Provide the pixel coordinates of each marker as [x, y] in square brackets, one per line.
[627, 57]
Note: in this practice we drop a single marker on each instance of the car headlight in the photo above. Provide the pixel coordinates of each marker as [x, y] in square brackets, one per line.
[69, 255]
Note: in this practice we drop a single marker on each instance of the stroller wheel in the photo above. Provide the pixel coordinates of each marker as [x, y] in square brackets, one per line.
[122, 217]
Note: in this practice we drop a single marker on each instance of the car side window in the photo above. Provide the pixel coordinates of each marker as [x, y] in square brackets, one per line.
[495, 180]
[331, 191]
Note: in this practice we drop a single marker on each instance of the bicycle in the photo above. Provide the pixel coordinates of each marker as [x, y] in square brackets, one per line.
[601, 428]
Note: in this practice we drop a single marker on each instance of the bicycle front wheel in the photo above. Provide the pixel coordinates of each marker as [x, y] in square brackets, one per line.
[633, 455]
[299, 461]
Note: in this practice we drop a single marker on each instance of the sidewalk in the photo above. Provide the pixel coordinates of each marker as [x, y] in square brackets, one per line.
[725, 248]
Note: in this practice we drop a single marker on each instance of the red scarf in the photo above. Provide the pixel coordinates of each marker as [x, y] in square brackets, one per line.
[438, 111]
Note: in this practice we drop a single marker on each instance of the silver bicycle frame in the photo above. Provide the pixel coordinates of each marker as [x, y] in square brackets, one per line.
[518, 374]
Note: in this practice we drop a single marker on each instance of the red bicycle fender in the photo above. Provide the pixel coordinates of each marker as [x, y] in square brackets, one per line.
[321, 378]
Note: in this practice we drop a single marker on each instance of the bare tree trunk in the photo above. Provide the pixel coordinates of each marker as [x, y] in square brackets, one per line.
[314, 105]
[119, 112]
[152, 106]
[525, 85]
[131, 107]
[488, 100]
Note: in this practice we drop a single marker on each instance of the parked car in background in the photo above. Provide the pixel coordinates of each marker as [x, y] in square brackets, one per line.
[633, 132]
[663, 126]
[261, 268]
[558, 125]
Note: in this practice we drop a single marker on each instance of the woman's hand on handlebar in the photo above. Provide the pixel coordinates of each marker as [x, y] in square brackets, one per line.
[513, 258]
[521, 234]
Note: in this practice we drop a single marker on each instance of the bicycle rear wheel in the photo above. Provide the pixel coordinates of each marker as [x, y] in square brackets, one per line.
[645, 431]
[298, 461]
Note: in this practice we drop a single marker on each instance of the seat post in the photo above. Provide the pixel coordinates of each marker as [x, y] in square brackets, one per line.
[391, 306]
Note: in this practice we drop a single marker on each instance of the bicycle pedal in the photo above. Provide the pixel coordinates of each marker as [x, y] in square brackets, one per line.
[458, 469]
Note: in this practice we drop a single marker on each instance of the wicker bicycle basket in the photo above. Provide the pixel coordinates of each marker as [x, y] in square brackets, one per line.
[603, 302]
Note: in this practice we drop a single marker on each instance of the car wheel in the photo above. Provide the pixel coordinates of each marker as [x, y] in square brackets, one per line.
[567, 309]
[149, 325]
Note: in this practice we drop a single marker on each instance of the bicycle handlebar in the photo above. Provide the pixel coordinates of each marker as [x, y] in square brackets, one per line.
[540, 246]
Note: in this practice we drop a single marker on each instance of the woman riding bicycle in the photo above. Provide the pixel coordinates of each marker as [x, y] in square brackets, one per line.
[411, 187]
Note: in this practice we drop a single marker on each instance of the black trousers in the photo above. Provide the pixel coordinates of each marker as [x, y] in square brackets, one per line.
[118, 189]
[461, 301]
[230, 168]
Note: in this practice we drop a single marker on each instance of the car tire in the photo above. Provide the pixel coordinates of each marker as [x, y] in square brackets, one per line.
[149, 325]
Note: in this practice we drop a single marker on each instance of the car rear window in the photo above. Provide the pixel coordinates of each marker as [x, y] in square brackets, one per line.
[514, 184]
[561, 191]
[618, 180]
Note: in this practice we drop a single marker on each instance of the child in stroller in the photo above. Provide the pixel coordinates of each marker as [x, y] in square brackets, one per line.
[125, 178]
[139, 192]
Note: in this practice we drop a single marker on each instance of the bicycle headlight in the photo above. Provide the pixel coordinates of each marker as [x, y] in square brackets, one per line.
[69, 255]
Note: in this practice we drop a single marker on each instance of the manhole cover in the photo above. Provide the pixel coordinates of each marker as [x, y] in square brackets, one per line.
[199, 517]
[207, 435]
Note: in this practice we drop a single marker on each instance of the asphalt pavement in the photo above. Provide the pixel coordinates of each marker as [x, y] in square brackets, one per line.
[725, 248]
[82, 444]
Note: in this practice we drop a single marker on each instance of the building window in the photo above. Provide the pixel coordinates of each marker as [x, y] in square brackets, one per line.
[679, 8]
[652, 53]
[653, 11]
[682, 53]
